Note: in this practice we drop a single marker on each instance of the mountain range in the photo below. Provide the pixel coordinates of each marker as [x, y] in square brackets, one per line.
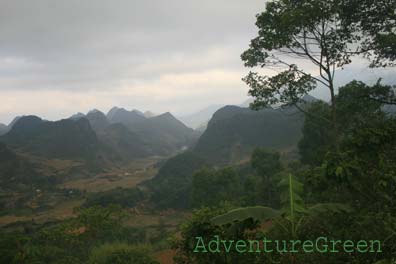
[119, 136]
[100, 141]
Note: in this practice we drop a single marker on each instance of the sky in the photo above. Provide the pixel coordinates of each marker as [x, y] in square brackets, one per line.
[59, 57]
[62, 57]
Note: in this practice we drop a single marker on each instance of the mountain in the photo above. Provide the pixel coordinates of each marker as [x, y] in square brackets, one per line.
[231, 136]
[77, 116]
[74, 139]
[98, 120]
[162, 134]
[10, 125]
[94, 138]
[124, 144]
[149, 114]
[120, 115]
[247, 102]
[233, 132]
[165, 133]
[3, 129]
[200, 118]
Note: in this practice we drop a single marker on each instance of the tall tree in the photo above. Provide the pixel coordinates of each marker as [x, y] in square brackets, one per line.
[292, 33]
[377, 21]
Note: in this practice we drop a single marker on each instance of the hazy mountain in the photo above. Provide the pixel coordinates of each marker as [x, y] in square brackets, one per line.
[13, 122]
[200, 118]
[124, 144]
[120, 115]
[92, 137]
[98, 120]
[234, 131]
[3, 129]
[165, 133]
[149, 114]
[77, 116]
[74, 139]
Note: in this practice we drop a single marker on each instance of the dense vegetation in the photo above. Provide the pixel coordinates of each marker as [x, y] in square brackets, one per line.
[354, 185]
[96, 235]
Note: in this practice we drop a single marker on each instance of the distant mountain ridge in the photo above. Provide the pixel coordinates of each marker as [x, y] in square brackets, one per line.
[200, 118]
[119, 136]
[121, 115]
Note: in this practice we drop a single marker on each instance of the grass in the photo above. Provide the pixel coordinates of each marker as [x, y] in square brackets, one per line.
[127, 177]
[60, 207]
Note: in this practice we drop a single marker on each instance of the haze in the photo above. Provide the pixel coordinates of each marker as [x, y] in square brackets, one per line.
[60, 57]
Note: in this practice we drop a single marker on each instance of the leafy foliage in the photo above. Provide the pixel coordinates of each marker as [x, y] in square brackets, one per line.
[171, 185]
[211, 187]
[119, 253]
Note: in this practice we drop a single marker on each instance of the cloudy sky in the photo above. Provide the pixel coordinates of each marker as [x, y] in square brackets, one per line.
[60, 57]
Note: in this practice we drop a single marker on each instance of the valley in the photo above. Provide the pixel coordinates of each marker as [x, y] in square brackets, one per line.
[119, 153]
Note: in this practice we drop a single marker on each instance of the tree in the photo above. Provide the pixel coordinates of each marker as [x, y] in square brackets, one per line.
[199, 225]
[290, 219]
[356, 102]
[267, 165]
[211, 187]
[314, 143]
[377, 21]
[321, 32]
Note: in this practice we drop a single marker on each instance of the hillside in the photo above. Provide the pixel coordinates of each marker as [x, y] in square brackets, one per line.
[163, 134]
[3, 129]
[124, 144]
[16, 172]
[60, 139]
[97, 120]
[234, 131]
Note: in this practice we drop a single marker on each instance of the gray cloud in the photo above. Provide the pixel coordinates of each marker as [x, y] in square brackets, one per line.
[79, 48]
[59, 57]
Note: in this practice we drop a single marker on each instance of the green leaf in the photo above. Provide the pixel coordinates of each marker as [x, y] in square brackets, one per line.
[328, 208]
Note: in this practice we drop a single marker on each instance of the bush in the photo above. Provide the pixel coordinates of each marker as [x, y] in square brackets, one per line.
[121, 253]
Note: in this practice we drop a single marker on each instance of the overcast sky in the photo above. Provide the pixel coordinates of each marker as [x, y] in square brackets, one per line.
[60, 57]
